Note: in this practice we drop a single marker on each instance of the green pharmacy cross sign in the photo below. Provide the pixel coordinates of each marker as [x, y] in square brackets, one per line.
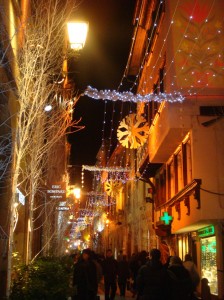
[166, 218]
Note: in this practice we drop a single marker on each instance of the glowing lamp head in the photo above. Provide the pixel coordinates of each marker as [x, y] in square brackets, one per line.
[77, 33]
[77, 193]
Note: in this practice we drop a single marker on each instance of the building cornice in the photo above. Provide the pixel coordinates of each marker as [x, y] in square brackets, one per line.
[191, 188]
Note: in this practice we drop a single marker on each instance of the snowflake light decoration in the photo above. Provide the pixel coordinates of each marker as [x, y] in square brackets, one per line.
[133, 131]
[112, 188]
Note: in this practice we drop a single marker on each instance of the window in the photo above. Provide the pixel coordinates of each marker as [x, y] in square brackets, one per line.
[156, 19]
[179, 171]
[177, 175]
[171, 179]
[161, 188]
[187, 163]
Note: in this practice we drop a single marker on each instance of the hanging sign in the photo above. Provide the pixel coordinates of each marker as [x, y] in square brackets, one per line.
[57, 192]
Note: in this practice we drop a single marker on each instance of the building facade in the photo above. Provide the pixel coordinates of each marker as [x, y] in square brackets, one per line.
[178, 49]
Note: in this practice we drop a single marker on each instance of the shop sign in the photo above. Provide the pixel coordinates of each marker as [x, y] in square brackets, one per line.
[166, 219]
[207, 231]
[57, 192]
[62, 208]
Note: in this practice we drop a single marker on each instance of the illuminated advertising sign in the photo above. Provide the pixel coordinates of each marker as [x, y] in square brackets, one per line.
[207, 231]
[57, 192]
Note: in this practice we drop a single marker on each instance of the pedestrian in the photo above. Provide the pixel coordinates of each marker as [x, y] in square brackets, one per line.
[123, 274]
[120, 255]
[205, 289]
[85, 277]
[179, 280]
[167, 263]
[192, 269]
[99, 270]
[110, 269]
[152, 278]
[134, 265]
[75, 258]
[143, 257]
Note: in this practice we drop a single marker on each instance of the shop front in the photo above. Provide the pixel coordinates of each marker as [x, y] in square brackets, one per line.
[208, 249]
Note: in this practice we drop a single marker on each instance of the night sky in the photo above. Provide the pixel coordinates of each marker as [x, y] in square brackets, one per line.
[100, 65]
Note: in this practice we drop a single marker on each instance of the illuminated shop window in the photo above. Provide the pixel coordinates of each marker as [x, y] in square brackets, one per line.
[208, 262]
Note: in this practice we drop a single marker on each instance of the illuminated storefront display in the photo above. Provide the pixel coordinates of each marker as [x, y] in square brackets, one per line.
[208, 258]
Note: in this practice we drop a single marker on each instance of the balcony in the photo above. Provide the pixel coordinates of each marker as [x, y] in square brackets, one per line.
[170, 126]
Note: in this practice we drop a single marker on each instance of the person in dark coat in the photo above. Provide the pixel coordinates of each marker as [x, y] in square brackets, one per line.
[192, 269]
[134, 267]
[123, 274]
[152, 278]
[205, 289]
[85, 277]
[179, 280]
[167, 263]
[110, 269]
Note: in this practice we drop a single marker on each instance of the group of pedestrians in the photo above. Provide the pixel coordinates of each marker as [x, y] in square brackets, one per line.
[151, 280]
[89, 269]
[174, 280]
[85, 277]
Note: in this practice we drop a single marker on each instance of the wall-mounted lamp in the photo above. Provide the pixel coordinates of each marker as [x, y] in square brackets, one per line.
[77, 33]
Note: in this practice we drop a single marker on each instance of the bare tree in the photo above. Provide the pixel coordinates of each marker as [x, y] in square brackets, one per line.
[40, 80]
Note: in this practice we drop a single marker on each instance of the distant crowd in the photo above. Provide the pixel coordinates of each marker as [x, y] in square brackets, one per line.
[143, 275]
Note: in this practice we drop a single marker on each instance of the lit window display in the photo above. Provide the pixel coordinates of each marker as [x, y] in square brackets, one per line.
[208, 262]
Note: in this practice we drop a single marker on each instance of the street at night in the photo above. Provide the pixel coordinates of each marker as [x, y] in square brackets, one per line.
[112, 149]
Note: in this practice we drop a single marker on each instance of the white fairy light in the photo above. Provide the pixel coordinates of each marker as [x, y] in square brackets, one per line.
[107, 169]
[114, 95]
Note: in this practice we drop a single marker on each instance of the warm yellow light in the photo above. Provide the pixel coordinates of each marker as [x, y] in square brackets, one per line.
[107, 222]
[77, 33]
[77, 193]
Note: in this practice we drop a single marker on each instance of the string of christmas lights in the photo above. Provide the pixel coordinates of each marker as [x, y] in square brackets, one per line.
[124, 152]
[147, 48]
[201, 78]
[185, 36]
[114, 95]
[107, 169]
[148, 76]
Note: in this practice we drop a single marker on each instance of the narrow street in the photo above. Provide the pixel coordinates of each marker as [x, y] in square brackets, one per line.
[111, 149]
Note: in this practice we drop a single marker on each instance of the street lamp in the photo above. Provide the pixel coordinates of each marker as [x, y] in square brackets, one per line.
[77, 192]
[77, 33]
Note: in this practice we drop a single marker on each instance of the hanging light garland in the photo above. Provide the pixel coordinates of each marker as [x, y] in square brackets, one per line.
[99, 201]
[129, 96]
[107, 169]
